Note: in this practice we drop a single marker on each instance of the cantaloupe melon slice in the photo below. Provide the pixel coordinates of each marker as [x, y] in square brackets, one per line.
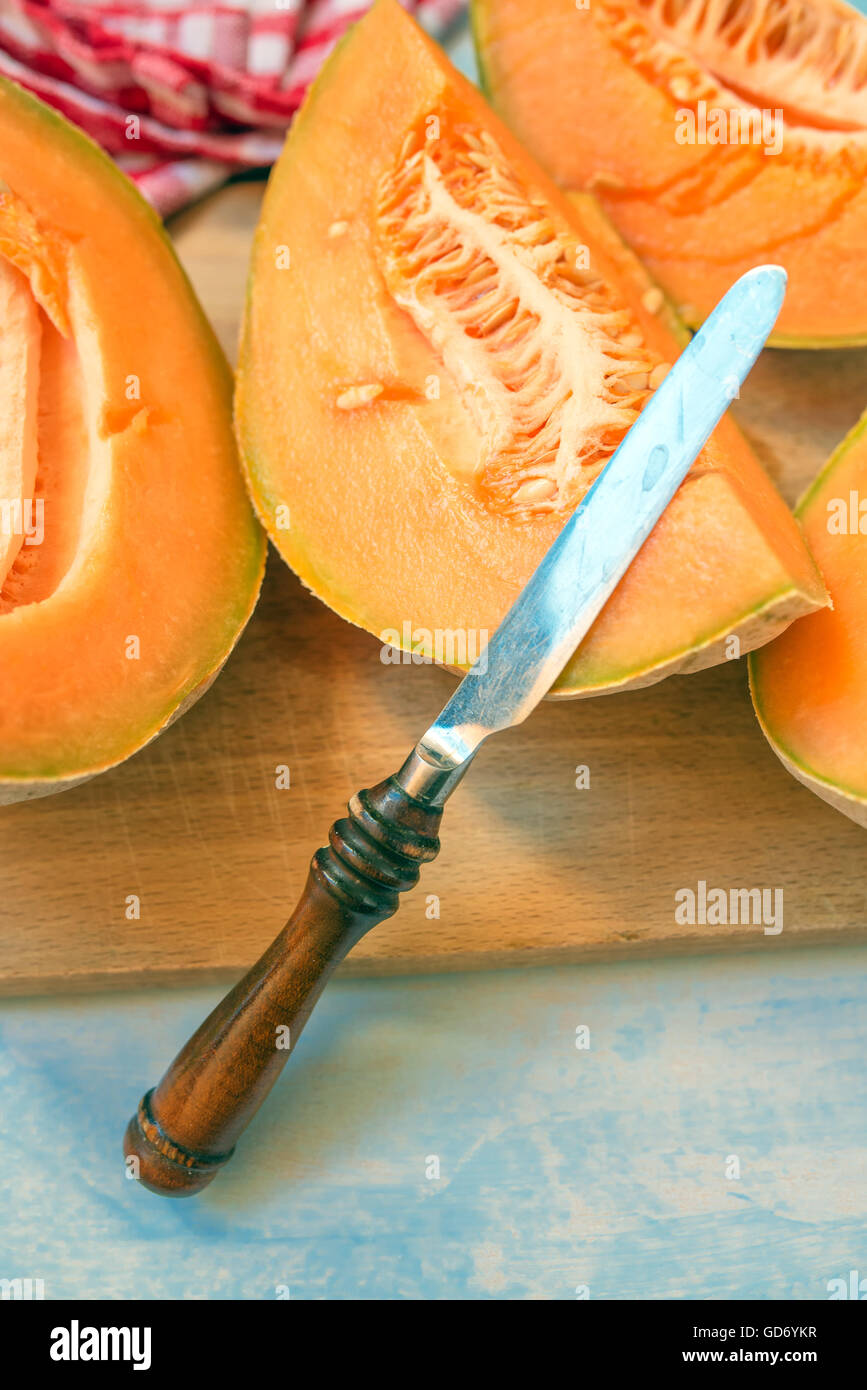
[439, 354]
[131, 558]
[719, 134]
[810, 686]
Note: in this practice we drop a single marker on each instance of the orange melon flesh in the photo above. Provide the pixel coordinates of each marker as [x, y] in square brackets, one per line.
[115, 421]
[396, 504]
[810, 685]
[602, 96]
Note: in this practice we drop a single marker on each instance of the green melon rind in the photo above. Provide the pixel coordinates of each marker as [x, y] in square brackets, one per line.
[754, 627]
[787, 341]
[51, 779]
[47, 778]
[477, 18]
[857, 432]
[850, 800]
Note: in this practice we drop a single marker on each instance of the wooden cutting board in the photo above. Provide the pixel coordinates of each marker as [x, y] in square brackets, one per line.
[682, 787]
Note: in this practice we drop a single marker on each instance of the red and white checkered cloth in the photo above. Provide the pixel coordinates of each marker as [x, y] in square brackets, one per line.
[182, 94]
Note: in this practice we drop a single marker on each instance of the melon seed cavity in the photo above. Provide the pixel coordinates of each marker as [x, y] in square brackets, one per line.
[549, 365]
[808, 60]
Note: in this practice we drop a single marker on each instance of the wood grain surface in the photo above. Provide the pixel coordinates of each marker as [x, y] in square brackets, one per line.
[682, 785]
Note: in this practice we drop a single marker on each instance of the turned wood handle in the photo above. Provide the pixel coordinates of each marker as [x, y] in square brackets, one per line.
[186, 1128]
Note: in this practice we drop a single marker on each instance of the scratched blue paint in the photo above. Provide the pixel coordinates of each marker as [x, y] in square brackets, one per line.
[559, 1167]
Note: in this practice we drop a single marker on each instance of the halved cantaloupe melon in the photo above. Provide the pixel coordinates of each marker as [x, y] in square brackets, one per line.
[439, 355]
[130, 558]
[718, 135]
[810, 686]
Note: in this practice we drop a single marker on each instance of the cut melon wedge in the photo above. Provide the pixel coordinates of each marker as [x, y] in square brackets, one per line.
[718, 135]
[439, 354]
[810, 686]
[130, 558]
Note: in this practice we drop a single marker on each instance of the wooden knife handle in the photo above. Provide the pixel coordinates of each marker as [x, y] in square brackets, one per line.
[186, 1128]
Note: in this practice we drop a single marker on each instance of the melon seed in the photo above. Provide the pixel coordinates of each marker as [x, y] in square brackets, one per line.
[355, 396]
[337, 228]
[535, 490]
[658, 375]
[653, 299]
[635, 381]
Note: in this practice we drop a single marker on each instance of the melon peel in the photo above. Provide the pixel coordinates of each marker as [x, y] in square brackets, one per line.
[717, 135]
[440, 254]
[130, 558]
[809, 688]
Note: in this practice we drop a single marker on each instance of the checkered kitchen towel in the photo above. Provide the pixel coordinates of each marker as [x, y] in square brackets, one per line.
[182, 94]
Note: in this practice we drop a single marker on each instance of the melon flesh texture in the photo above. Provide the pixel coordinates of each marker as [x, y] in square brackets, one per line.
[427, 384]
[595, 95]
[810, 686]
[130, 558]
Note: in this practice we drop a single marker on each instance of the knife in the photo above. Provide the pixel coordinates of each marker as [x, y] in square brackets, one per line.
[186, 1128]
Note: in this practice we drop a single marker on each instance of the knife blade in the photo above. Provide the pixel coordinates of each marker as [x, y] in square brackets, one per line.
[583, 566]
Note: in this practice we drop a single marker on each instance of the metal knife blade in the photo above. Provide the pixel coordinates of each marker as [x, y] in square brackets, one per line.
[581, 569]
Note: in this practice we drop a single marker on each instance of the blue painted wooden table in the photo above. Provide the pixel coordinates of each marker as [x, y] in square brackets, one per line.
[448, 1137]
